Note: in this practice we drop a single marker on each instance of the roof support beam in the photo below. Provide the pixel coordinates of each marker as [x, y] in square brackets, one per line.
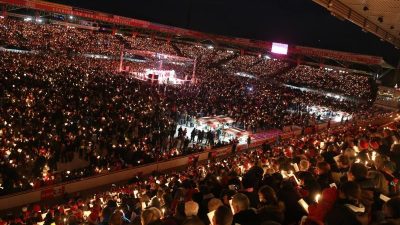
[341, 10]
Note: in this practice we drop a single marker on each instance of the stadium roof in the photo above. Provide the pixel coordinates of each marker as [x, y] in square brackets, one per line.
[134, 26]
[380, 17]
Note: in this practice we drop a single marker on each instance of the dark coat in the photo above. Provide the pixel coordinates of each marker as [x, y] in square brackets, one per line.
[246, 217]
[341, 215]
[271, 213]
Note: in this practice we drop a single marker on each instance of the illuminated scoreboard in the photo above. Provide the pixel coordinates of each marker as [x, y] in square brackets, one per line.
[279, 48]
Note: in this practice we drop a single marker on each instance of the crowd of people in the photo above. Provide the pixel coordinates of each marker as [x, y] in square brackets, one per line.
[56, 102]
[341, 82]
[67, 105]
[33, 36]
[258, 65]
[347, 175]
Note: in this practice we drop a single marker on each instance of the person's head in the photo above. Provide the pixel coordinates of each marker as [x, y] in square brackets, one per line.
[304, 165]
[73, 220]
[191, 208]
[319, 158]
[213, 204]
[160, 193]
[358, 171]
[350, 153]
[391, 209]
[111, 204]
[343, 162]
[389, 166]
[323, 168]
[240, 202]
[150, 215]
[351, 191]
[379, 161]
[116, 218]
[267, 195]
[222, 216]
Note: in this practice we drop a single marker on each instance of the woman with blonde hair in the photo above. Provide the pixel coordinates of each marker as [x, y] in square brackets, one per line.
[151, 216]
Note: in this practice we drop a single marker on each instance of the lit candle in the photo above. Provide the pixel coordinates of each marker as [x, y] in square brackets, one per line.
[317, 197]
[163, 211]
[373, 156]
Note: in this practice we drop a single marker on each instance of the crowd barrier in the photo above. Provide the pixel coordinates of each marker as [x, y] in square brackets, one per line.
[28, 197]
[24, 198]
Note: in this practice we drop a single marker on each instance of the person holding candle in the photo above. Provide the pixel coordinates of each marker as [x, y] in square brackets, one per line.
[270, 208]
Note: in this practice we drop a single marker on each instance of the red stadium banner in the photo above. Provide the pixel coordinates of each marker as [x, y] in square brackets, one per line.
[193, 158]
[345, 56]
[52, 192]
[47, 194]
[223, 151]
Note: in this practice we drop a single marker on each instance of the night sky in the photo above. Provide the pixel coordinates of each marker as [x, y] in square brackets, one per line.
[298, 22]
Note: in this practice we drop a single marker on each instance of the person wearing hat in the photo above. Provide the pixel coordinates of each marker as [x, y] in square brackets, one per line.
[25, 213]
[348, 209]
[94, 215]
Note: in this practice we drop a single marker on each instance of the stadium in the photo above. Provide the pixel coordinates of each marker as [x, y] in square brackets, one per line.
[106, 119]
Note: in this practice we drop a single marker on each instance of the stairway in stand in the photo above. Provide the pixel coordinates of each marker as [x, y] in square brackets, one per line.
[224, 60]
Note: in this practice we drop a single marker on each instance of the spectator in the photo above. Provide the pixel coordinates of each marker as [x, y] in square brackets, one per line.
[270, 208]
[222, 216]
[242, 213]
[191, 209]
[151, 216]
[348, 209]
